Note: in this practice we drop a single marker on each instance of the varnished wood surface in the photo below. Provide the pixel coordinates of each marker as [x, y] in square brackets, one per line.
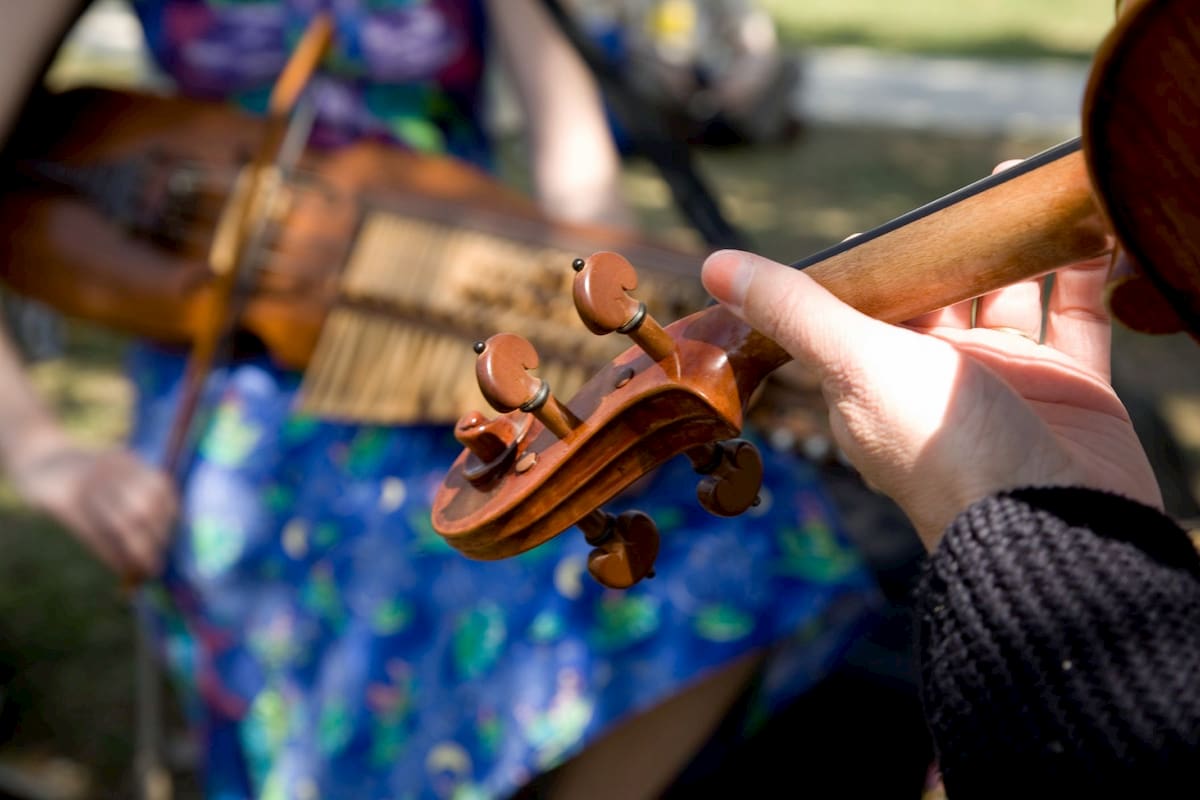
[1018, 229]
[1142, 124]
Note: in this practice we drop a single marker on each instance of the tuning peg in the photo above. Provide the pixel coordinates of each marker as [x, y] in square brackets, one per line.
[492, 443]
[601, 292]
[733, 472]
[502, 371]
[625, 547]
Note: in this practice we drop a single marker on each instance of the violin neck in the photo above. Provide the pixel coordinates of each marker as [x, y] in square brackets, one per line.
[1015, 225]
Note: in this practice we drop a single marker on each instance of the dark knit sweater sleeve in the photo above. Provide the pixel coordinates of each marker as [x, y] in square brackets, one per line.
[1059, 638]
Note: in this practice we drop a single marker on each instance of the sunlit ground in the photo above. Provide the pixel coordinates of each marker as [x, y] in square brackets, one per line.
[996, 28]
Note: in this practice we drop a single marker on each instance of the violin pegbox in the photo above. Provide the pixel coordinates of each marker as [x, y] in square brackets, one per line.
[733, 469]
[545, 464]
[625, 546]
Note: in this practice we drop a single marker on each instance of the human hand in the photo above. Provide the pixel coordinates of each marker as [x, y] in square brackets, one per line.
[938, 414]
[118, 507]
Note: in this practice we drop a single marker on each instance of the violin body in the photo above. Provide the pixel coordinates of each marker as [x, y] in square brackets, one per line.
[1141, 123]
[1134, 185]
[147, 274]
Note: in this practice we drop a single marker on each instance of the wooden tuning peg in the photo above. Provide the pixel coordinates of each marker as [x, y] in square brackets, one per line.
[625, 547]
[502, 369]
[492, 443]
[602, 298]
[733, 472]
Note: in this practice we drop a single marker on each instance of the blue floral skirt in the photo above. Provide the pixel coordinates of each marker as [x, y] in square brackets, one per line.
[329, 644]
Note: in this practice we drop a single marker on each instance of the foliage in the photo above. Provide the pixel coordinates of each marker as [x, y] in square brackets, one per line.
[998, 28]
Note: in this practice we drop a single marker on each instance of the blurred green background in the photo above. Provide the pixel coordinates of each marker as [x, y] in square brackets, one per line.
[992, 28]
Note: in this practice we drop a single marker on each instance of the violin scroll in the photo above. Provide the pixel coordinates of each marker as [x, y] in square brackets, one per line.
[545, 465]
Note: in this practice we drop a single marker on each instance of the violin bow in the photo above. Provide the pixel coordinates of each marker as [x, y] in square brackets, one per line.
[241, 227]
[230, 258]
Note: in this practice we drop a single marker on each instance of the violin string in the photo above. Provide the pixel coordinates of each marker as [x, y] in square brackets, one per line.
[273, 261]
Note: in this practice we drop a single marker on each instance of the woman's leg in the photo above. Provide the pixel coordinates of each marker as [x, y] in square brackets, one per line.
[640, 757]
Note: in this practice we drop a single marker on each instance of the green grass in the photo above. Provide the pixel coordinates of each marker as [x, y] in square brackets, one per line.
[65, 629]
[792, 200]
[66, 636]
[997, 28]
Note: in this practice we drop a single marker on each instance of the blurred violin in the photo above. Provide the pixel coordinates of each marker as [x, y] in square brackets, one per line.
[115, 201]
[546, 464]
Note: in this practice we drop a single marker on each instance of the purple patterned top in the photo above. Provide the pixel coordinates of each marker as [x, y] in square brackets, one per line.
[408, 71]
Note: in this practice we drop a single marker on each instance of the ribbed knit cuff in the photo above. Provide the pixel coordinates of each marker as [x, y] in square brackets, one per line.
[1059, 637]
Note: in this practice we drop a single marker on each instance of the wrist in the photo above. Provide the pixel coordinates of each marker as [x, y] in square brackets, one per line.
[995, 473]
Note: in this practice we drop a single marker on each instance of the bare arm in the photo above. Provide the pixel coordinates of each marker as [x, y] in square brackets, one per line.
[575, 164]
[29, 32]
[117, 506]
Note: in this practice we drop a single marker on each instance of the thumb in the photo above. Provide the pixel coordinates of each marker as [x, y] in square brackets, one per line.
[783, 303]
[890, 391]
